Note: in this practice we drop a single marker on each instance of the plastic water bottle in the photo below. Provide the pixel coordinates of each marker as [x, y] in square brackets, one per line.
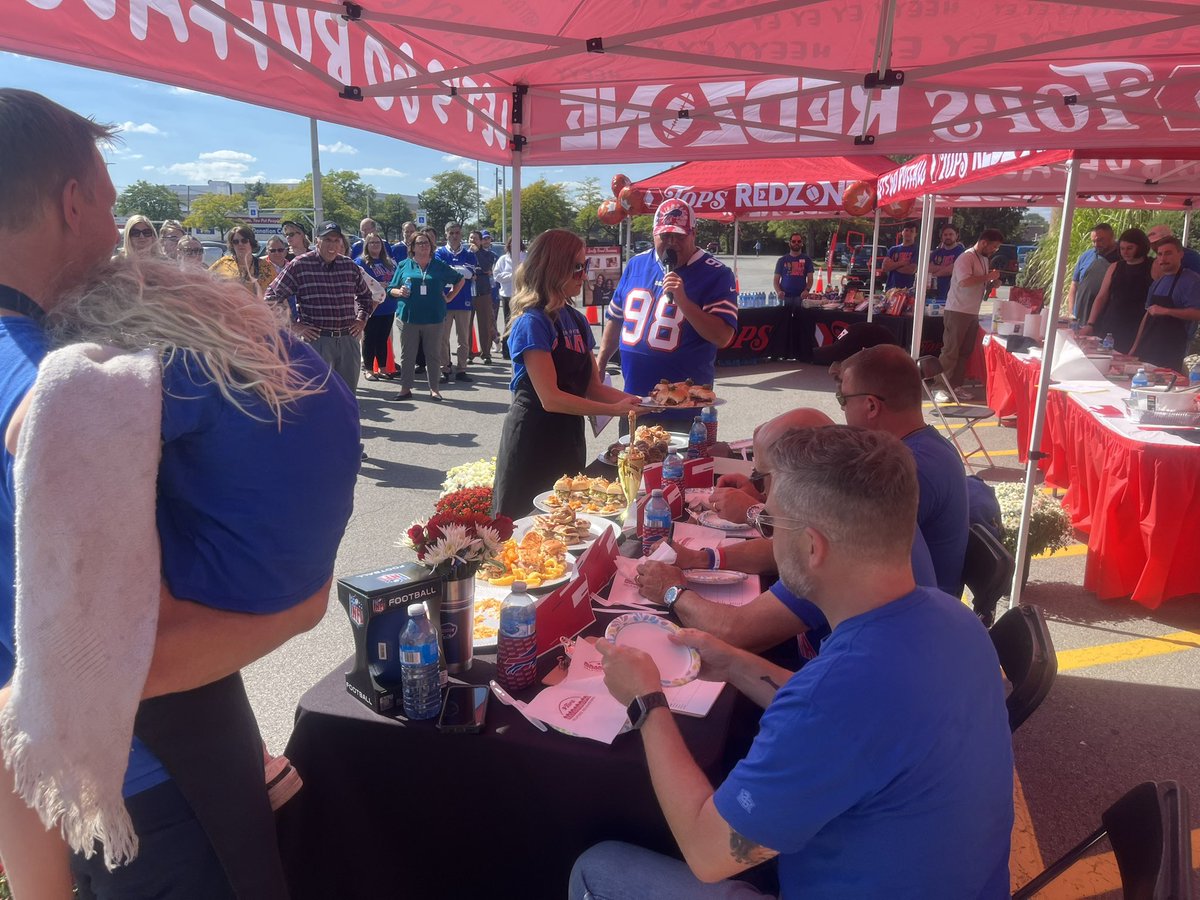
[1139, 379]
[1194, 375]
[516, 649]
[672, 470]
[709, 417]
[1107, 344]
[656, 522]
[419, 657]
[697, 438]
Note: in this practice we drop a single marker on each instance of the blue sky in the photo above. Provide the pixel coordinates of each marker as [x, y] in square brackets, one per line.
[176, 136]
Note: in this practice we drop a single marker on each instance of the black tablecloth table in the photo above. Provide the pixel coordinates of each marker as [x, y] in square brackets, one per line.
[391, 808]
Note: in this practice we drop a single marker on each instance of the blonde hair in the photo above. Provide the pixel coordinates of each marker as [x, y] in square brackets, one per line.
[236, 339]
[127, 250]
[543, 280]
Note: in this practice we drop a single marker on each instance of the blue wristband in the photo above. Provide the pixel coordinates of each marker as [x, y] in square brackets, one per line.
[713, 560]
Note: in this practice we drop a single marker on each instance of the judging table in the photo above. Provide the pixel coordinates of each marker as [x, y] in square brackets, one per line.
[1131, 490]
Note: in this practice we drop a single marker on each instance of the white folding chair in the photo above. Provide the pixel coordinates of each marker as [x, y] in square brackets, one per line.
[933, 379]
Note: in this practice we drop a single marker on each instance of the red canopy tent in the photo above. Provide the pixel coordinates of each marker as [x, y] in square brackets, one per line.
[745, 189]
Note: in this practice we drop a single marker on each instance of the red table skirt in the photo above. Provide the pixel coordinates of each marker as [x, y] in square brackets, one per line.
[1136, 502]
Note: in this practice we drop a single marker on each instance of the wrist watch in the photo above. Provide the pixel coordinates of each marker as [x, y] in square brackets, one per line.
[671, 596]
[640, 708]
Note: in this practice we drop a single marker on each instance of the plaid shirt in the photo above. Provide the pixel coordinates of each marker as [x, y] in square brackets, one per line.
[328, 295]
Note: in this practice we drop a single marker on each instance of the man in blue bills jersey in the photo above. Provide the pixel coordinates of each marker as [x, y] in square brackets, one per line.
[673, 309]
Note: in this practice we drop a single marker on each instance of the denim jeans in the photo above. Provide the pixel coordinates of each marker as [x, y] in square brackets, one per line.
[616, 871]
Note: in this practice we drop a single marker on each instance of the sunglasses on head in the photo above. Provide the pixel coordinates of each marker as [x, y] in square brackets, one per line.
[141, 232]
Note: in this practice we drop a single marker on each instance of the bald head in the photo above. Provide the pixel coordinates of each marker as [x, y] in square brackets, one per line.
[888, 372]
[773, 430]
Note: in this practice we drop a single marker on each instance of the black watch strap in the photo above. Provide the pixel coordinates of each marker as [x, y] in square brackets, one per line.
[641, 706]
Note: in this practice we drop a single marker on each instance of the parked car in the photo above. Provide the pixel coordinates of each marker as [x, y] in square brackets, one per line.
[713, 247]
[212, 252]
[860, 266]
[641, 246]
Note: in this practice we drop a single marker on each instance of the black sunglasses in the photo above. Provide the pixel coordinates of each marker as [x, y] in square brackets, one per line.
[842, 398]
[193, 252]
[239, 240]
[141, 232]
[277, 249]
[583, 267]
[766, 524]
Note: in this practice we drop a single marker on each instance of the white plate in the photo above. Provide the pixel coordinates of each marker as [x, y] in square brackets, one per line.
[713, 576]
[599, 526]
[647, 403]
[540, 503]
[709, 519]
[677, 664]
[569, 563]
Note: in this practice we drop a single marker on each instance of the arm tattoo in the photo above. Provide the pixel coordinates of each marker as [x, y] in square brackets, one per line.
[746, 852]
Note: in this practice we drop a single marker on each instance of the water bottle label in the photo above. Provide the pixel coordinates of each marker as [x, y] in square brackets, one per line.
[419, 656]
[517, 630]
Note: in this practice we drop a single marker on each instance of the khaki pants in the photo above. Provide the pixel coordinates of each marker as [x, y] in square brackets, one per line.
[485, 318]
[958, 342]
[460, 319]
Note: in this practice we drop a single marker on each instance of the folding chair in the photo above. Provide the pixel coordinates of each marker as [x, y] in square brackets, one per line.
[931, 372]
[1022, 642]
[1148, 830]
[987, 571]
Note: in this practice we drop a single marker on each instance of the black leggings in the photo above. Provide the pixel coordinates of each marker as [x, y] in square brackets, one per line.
[375, 339]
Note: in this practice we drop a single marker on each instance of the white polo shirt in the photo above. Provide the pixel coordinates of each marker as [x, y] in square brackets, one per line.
[967, 299]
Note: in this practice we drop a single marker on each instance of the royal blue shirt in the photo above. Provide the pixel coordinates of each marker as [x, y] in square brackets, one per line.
[943, 514]
[883, 768]
[464, 262]
[940, 256]
[1185, 294]
[793, 272]
[905, 254]
[656, 340]
[534, 330]
[383, 274]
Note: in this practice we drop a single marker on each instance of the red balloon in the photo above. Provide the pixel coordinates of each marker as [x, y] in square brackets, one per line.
[619, 183]
[610, 212]
[630, 200]
[899, 209]
[859, 198]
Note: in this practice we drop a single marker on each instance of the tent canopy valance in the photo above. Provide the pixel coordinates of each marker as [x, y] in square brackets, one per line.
[598, 81]
[758, 189]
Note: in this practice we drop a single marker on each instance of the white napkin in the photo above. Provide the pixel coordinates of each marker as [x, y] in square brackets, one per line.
[581, 704]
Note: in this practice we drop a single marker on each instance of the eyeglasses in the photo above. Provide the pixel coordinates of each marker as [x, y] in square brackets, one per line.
[192, 252]
[141, 232]
[842, 398]
[582, 268]
[172, 239]
[766, 524]
[277, 249]
[239, 240]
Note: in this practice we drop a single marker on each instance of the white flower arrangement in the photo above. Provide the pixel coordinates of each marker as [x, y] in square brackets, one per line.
[480, 473]
[1049, 525]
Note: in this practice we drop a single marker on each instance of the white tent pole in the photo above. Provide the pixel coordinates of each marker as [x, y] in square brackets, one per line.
[735, 253]
[1187, 226]
[871, 264]
[318, 201]
[516, 202]
[928, 203]
[1039, 415]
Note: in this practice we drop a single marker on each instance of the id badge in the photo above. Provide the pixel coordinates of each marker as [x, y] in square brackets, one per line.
[423, 291]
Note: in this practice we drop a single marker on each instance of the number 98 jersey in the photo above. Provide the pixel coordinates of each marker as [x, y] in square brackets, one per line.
[656, 340]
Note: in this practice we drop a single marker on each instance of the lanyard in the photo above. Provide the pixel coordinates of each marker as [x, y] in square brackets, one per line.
[11, 298]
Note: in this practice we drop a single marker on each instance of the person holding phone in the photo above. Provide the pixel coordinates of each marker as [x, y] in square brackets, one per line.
[424, 286]
[972, 278]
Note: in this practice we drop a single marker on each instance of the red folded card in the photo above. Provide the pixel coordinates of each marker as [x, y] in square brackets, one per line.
[563, 614]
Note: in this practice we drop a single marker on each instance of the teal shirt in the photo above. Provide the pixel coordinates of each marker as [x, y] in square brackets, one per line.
[428, 307]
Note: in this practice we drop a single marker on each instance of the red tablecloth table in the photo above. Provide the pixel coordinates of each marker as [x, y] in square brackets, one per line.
[1136, 496]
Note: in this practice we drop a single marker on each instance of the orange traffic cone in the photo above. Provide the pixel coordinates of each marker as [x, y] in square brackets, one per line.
[820, 288]
[992, 295]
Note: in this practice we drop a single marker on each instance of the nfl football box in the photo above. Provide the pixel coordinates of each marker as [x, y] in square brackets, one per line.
[377, 604]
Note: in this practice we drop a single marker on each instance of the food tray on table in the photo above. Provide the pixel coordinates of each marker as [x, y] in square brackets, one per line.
[680, 395]
[1161, 416]
[653, 440]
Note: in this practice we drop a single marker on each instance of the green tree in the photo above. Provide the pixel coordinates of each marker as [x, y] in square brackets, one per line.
[544, 206]
[971, 221]
[356, 194]
[296, 200]
[155, 201]
[255, 191]
[390, 214]
[588, 196]
[215, 211]
[451, 199]
[1033, 226]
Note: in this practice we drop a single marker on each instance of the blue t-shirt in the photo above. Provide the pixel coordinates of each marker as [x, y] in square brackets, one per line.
[883, 768]
[383, 274]
[810, 614]
[534, 330]
[1186, 293]
[399, 251]
[396, 251]
[1191, 260]
[656, 340]
[793, 272]
[464, 259]
[940, 256]
[943, 514]
[906, 254]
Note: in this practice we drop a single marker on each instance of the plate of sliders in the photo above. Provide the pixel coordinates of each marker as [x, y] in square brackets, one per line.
[597, 496]
[680, 395]
[575, 529]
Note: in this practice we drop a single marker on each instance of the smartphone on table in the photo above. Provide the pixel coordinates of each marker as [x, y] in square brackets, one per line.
[464, 709]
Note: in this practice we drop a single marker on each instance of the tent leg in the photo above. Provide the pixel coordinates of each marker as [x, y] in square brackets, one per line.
[871, 264]
[928, 204]
[516, 201]
[1039, 414]
[1187, 226]
[735, 254]
[318, 200]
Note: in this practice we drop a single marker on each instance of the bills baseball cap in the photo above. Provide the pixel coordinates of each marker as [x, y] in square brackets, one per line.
[329, 228]
[674, 216]
[486, 235]
[858, 336]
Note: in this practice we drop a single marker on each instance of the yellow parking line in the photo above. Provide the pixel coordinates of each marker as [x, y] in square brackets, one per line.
[1073, 550]
[1123, 651]
[1024, 857]
[1095, 875]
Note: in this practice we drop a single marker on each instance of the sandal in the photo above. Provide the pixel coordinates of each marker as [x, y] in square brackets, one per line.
[403, 395]
[370, 376]
[434, 395]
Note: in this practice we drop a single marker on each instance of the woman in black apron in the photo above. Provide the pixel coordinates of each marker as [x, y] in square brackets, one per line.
[1163, 339]
[1119, 307]
[555, 381]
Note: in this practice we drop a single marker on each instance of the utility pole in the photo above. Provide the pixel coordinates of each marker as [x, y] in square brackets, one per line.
[318, 204]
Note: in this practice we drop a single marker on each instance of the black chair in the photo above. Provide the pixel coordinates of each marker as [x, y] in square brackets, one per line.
[933, 379]
[987, 571]
[1148, 831]
[1022, 642]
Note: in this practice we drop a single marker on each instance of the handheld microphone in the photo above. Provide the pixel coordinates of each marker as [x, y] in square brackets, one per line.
[669, 260]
